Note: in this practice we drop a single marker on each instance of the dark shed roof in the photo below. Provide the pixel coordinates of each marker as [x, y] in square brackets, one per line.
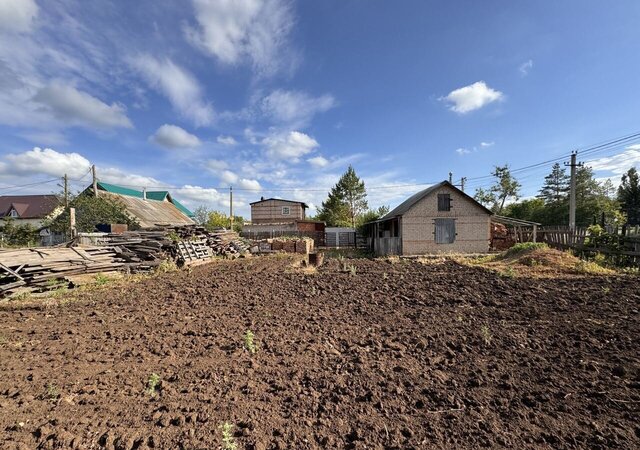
[28, 206]
[405, 206]
[304, 205]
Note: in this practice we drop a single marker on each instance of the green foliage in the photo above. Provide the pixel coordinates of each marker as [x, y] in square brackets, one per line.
[52, 392]
[92, 211]
[556, 186]
[228, 443]
[346, 201]
[101, 279]
[504, 188]
[152, 384]
[18, 235]
[249, 343]
[371, 215]
[523, 247]
[487, 337]
[218, 219]
[629, 196]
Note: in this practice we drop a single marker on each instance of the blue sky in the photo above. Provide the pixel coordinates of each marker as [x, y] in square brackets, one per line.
[277, 97]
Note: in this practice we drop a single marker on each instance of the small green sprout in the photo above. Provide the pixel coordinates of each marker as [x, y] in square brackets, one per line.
[152, 384]
[486, 334]
[52, 392]
[228, 443]
[249, 343]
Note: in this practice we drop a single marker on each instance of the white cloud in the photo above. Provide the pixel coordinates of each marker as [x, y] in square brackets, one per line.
[17, 15]
[121, 177]
[235, 31]
[45, 138]
[228, 177]
[72, 106]
[253, 185]
[47, 161]
[291, 145]
[525, 67]
[472, 97]
[294, 107]
[226, 140]
[620, 163]
[487, 144]
[173, 137]
[178, 85]
[215, 165]
[197, 195]
[462, 151]
[318, 161]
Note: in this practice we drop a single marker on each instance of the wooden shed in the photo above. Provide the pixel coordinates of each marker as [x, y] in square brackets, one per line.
[439, 219]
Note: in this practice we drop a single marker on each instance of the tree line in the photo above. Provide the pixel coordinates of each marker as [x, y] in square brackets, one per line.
[596, 201]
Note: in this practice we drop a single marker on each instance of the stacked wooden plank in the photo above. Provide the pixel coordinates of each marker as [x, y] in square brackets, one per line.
[39, 268]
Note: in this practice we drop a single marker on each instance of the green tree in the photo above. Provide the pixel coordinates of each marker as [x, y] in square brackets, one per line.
[217, 220]
[629, 196]
[346, 201]
[371, 215]
[90, 212]
[504, 188]
[556, 186]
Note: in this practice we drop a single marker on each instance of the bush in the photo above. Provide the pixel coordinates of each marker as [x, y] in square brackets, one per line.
[18, 235]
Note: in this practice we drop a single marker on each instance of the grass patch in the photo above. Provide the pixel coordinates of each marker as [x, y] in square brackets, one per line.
[591, 268]
[101, 279]
[524, 247]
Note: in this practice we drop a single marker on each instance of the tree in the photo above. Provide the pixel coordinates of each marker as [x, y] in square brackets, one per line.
[18, 235]
[505, 187]
[556, 186]
[371, 215]
[346, 201]
[217, 220]
[201, 214]
[90, 212]
[629, 196]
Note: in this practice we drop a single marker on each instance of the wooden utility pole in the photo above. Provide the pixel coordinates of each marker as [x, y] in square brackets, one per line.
[231, 207]
[95, 180]
[572, 190]
[66, 191]
[72, 221]
[463, 180]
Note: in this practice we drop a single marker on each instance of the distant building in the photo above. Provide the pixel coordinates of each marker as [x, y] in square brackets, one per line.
[274, 217]
[30, 209]
[149, 208]
[439, 219]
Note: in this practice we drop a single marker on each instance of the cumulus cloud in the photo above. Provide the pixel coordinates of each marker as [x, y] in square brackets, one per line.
[226, 140]
[119, 176]
[472, 97]
[295, 107]
[620, 163]
[462, 151]
[47, 162]
[198, 195]
[17, 15]
[228, 177]
[291, 145]
[174, 137]
[215, 165]
[178, 85]
[318, 161]
[525, 67]
[79, 108]
[253, 31]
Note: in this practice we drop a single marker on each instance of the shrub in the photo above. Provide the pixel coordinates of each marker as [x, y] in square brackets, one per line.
[523, 247]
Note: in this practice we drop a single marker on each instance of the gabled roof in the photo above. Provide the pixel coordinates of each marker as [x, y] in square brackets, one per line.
[150, 213]
[304, 205]
[28, 206]
[151, 195]
[405, 206]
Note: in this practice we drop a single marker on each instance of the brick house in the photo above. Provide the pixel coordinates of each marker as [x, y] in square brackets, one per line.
[275, 210]
[271, 217]
[439, 219]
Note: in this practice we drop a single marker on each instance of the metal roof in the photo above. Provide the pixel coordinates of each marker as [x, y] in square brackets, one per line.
[151, 195]
[405, 206]
[150, 213]
[28, 206]
[280, 200]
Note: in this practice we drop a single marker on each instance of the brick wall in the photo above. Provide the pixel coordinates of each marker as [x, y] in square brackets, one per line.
[270, 211]
[472, 225]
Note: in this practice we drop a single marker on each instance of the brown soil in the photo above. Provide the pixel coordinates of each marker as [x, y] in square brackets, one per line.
[399, 356]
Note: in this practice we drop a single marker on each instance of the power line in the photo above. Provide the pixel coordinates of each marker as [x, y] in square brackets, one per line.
[28, 184]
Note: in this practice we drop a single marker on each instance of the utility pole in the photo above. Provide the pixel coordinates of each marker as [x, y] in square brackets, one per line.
[450, 178]
[572, 190]
[95, 180]
[66, 191]
[463, 180]
[231, 208]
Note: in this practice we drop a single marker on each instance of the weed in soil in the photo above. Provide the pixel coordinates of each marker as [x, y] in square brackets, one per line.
[228, 443]
[487, 337]
[52, 392]
[249, 343]
[152, 384]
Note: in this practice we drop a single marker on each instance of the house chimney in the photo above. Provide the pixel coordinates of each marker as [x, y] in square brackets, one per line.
[262, 199]
[144, 193]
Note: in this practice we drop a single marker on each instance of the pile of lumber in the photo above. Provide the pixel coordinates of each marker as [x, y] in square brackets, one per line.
[41, 268]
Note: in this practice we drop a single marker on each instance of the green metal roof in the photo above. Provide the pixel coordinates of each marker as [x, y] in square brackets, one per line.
[151, 195]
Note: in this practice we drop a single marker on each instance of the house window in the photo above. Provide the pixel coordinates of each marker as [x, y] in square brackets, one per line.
[444, 202]
[445, 231]
[286, 211]
[13, 213]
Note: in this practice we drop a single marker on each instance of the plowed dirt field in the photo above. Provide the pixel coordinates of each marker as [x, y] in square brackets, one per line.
[398, 356]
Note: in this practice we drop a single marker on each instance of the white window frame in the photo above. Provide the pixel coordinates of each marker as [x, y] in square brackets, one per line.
[287, 209]
[13, 213]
